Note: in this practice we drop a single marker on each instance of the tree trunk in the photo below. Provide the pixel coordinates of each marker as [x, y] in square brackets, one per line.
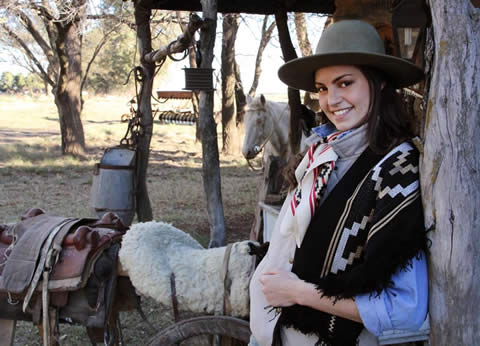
[302, 37]
[231, 143]
[306, 49]
[240, 97]
[210, 160]
[144, 108]
[266, 36]
[288, 51]
[450, 174]
[67, 91]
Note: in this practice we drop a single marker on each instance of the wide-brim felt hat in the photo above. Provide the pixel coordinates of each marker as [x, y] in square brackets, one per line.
[349, 42]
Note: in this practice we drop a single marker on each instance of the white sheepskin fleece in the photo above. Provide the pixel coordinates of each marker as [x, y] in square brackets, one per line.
[151, 251]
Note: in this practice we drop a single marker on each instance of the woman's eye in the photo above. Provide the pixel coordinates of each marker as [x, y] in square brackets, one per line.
[321, 89]
[346, 83]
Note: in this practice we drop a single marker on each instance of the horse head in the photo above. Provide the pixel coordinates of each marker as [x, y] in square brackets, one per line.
[266, 125]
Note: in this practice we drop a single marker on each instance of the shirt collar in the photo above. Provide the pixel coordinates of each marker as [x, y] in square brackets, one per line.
[348, 143]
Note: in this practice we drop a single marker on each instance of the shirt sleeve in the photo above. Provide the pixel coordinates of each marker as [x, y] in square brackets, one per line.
[403, 306]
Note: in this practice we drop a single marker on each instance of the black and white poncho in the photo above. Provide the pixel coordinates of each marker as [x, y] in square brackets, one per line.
[370, 226]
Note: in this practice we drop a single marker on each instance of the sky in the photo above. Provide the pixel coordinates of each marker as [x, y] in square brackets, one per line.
[248, 40]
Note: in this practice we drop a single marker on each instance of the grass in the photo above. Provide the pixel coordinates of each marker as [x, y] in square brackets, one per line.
[34, 173]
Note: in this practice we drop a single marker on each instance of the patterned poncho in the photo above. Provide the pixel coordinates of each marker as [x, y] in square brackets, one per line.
[370, 226]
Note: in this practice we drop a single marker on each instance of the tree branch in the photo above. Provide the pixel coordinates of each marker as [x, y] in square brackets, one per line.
[266, 36]
[95, 53]
[129, 23]
[42, 11]
[122, 20]
[29, 54]
[183, 41]
[27, 23]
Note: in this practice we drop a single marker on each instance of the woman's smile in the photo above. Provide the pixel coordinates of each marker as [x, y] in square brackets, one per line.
[341, 112]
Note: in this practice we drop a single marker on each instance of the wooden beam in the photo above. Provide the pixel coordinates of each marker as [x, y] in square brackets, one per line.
[183, 41]
[246, 6]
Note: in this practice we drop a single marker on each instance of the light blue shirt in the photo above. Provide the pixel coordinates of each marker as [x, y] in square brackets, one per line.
[403, 306]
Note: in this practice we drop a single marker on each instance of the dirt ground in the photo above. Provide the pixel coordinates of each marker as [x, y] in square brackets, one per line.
[33, 173]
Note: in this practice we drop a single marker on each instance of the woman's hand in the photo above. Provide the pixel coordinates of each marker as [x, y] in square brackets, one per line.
[280, 287]
[283, 288]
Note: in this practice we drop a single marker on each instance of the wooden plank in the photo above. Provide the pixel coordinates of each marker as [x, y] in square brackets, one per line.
[174, 94]
[7, 332]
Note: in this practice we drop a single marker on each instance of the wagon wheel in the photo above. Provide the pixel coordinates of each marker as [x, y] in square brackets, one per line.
[206, 325]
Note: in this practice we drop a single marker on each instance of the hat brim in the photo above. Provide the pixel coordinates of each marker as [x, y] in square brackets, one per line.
[300, 73]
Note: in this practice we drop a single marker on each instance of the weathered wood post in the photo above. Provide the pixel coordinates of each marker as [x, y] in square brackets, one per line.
[450, 173]
[144, 42]
[207, 126]
[147, 68]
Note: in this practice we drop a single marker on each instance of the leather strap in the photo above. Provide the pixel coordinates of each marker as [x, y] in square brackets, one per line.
[41, 264]
[45, 309]
[227, 305]
[173, 294]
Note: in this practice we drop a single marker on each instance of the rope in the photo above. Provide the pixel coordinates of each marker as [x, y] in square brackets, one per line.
[169, 53]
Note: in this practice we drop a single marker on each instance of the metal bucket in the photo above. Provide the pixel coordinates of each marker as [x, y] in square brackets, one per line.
[113, 187]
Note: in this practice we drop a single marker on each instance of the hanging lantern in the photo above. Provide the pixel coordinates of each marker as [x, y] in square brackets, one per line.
[198, 79]
[409, 21]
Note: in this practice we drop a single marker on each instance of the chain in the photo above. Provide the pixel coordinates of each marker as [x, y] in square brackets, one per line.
[135, 127]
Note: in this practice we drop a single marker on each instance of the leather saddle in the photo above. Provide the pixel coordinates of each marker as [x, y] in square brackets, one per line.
[63, 267]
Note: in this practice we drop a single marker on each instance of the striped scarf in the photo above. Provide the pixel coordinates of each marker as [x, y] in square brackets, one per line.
[312, 176]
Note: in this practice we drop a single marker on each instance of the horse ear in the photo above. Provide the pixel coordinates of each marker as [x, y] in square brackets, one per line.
[262, 99]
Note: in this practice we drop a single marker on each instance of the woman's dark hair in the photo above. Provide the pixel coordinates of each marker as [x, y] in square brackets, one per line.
[389, 122]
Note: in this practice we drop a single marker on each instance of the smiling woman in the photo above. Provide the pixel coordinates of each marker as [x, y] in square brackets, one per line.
[347, 259]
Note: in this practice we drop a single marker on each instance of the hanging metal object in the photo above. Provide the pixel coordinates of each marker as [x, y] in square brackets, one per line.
[113, 188]
[409, 21]
[198, 79]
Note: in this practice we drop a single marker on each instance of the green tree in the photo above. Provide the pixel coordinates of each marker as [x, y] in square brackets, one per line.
[33, 82]
[7, 81]
[19, 82]
[118, 56]
[113, 63]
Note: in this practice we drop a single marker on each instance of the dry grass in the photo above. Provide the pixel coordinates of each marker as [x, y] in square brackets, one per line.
[33, 173]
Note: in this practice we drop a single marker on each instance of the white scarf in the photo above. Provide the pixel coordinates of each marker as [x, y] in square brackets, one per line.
[312, 176]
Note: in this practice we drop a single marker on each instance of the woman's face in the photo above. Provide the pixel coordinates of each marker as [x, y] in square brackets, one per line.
[344, 95]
